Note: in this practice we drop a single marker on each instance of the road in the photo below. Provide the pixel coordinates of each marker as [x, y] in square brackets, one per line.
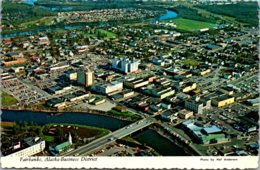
[118, 134]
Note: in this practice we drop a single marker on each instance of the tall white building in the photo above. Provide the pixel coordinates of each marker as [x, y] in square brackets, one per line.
[125, 65]
[89, 78]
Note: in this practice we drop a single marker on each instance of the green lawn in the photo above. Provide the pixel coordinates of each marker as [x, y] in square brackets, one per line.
[124, 114]
[48, 138]
[44, 20]
[190, 25]
[108, 34]
[191, 62]
[99, 33]
[8, 100]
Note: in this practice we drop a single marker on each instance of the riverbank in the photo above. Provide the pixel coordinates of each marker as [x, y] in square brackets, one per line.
[82, 118]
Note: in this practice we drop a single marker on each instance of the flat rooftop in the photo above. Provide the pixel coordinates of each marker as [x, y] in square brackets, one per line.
[223, 97]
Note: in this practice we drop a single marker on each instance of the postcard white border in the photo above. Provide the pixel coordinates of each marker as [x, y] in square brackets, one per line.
[196, 162]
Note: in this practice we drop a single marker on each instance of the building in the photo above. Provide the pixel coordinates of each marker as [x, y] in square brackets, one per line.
[85, 78]
[186, 87]
[253, 102]
[136, 83]
[185, 114]
[76, 96]
[203, 72]
[15, 62]
[204, 134]
[43, 41]
[108, 87]
[15, 55]
[89, 78]
[198, 105]
[226, 90]
[82, 48]
[127, 93]
[125, 65]
[70, 75]
[159, 92]
[169, 115]
[56, 103]
[222, 100]
[58, 90]
[120, 109]
[29, 147]
[98, 101]
[61, 148]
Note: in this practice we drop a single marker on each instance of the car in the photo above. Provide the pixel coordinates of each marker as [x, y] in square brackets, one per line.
[110, 139]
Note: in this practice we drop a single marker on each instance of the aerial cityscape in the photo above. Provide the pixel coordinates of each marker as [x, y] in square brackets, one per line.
[129, 78]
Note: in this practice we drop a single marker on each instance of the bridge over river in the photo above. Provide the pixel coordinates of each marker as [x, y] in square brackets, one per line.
[118, 134]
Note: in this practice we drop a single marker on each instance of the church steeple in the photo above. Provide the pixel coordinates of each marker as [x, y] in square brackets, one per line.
[70, 139]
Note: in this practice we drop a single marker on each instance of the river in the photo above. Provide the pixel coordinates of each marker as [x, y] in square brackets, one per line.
[160, 144]
[31, 2]
[42, 118]
[168, 15]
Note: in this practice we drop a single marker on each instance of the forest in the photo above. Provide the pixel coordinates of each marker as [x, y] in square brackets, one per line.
[245, 12]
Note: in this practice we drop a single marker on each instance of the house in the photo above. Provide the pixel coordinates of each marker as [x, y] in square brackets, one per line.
[43, 41]
[17, 69]
[15, 55]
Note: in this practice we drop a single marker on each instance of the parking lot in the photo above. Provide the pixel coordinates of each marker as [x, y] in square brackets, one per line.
[22, 92]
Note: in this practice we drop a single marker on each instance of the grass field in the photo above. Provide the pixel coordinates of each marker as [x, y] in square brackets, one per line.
[48, 138]
[107, 33]
[44, 20]
[190, 25]
[8, 100]
[191, 62]
[7, 124]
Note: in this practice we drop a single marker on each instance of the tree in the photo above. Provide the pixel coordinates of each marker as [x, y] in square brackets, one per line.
[60, 134]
